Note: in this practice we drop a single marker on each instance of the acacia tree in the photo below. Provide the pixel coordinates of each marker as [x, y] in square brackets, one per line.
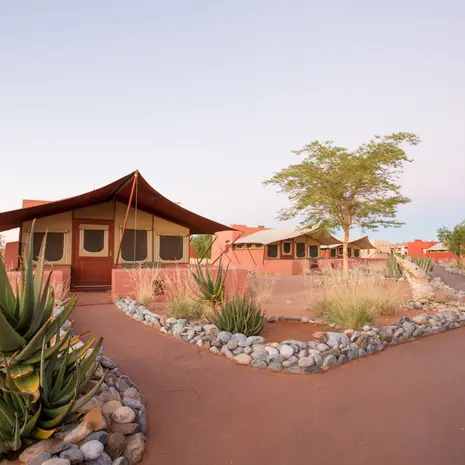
[454, 240]
[202, 244]
[335, 187]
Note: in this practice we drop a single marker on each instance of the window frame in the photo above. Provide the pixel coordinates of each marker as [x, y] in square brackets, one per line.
[185, 248]
[286, 254]
[305, 255]
[356, 253]
[317, 251]
[149, 245]
[105, 252]
[278, 250]
[63, 255]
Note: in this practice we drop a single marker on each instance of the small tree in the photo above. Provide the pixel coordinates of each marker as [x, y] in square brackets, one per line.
[336, 187]
[454, 240]
[202, 245]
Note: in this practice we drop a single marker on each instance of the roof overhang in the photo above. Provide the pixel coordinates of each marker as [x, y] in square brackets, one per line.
[362, 243]
[148, 200]
[270, 236]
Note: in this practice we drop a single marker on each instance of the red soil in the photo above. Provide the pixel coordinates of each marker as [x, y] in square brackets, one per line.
[205, 410]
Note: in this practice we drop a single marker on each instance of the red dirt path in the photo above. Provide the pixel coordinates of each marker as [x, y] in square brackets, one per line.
[401, 406]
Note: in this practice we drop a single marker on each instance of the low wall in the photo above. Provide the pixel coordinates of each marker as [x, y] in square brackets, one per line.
[122, 284]
[11, 258]
[60, 278]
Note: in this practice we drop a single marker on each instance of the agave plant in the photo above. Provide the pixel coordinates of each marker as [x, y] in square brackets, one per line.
[210, 290]
[63, 378]
[43, 369]
[17, 420]
[240, 314]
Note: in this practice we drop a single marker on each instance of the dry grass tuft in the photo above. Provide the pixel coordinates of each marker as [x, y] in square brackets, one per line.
[181, 303]
[262, 285]
[355, 303]
[146, 283]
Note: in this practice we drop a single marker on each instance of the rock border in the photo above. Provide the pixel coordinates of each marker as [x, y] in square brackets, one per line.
[112, 430]
[292, 356]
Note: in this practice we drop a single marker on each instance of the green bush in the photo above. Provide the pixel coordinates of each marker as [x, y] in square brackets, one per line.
[240, 314]
[186, 308]
[43, 372]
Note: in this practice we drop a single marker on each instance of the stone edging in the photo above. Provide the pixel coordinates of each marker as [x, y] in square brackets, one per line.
[112, 431]
[329, 348]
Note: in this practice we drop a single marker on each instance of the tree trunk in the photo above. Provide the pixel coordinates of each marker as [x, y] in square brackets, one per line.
[345, 252]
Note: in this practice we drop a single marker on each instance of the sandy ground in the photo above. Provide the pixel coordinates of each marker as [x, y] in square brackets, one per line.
[400, 406]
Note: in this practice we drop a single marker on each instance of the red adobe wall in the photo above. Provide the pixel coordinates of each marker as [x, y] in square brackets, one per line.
[11, 255]
[122, 284]
[415, 248]
[440, 256]
[60, 277]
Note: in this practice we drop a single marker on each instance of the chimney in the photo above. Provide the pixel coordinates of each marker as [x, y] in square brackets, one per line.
[261, 226]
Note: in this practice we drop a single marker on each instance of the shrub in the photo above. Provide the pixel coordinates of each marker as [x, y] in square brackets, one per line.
[186, 308]
[355, 304]
[240, 314]
[43, 372]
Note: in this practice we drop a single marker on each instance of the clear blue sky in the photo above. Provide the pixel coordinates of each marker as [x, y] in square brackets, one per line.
[208, 98]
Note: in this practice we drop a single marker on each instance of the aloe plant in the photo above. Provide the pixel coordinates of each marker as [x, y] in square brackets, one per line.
[43, 370]
[210, 290]
[240, 314]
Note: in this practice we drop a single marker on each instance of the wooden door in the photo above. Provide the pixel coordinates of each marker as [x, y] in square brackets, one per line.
[93, 242]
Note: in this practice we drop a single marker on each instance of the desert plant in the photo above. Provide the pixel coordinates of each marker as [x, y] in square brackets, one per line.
[424, 263]
[146, 283]
[353, 305]
[393, 269]
[239, 314]
[186, 308]
[31, 339]
[210, 290]
[262, 285]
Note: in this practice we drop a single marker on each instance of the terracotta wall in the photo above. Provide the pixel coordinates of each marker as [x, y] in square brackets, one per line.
[11, 258]
[122, 285]
[415, 248]
[60, 277]
[440, 256]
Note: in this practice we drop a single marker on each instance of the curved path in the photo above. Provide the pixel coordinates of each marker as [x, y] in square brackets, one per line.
[454, 280]
[403, 406]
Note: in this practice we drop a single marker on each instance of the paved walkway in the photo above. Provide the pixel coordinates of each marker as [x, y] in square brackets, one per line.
[403, 406]
[454, 280]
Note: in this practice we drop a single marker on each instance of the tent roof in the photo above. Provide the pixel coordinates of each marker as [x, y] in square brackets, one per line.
[360, 242]
[148, 200]
[268, 236]
[438, 247]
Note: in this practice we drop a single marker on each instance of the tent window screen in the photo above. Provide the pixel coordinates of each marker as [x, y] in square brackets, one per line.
[54, 247]
[273, 251]
[333, 253]
[349, 252]
[357, 253]
[135, 245]
[93, 240]
[314, 251]
[287, 248]
[300, 250]
[171, 248]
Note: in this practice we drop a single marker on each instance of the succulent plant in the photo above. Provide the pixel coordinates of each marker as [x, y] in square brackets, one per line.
[425, 263]
[240, 314]
[43, 369]
[210, 290]
[393, 269]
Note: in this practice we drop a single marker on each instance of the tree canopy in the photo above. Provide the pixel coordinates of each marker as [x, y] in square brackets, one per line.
[454, 239]
[202, 244]
[336, 187]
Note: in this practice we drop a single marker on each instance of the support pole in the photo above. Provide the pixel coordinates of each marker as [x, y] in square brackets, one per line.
[136, 176]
